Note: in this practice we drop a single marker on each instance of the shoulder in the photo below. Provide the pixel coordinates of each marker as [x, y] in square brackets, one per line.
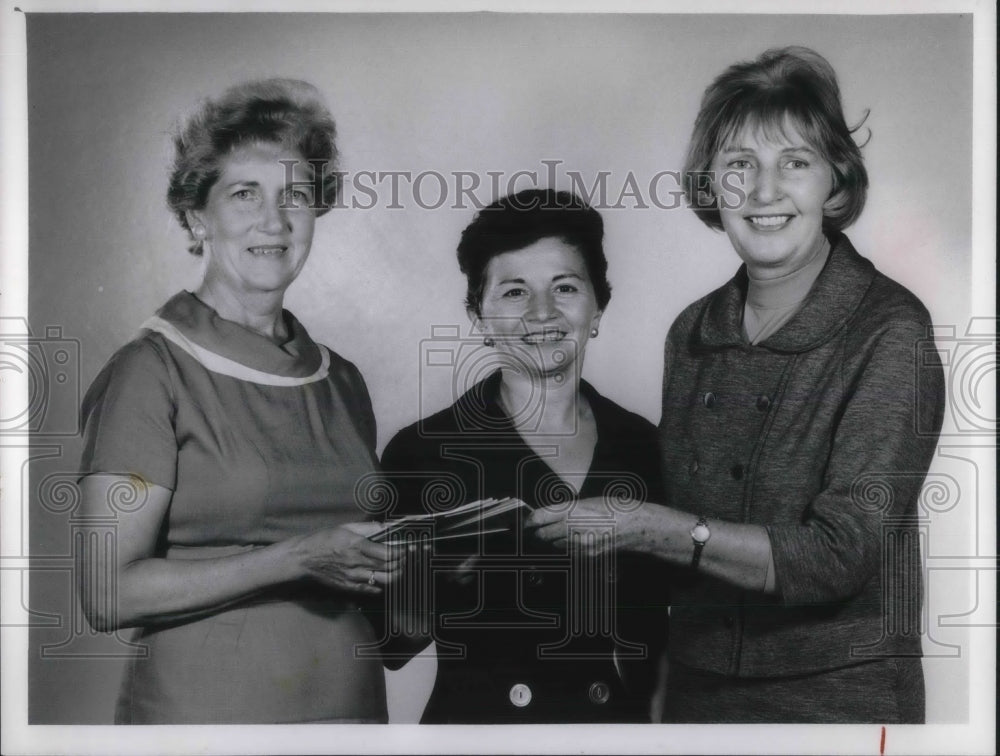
[614, 418]
[888, 301]
[419, 440]
[341, 368]
[887, 313]
[686, 324]
[140, 364]
[469, 417]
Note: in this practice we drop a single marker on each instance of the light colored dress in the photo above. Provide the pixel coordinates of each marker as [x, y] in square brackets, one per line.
[258, 443]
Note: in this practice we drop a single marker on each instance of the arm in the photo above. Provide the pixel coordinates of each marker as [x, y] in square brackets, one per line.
[133, 587]
[737, 553]
[836, 548]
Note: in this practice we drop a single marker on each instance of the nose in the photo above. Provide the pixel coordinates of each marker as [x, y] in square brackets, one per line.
[766, 185]
[541, 307]
[272, 218]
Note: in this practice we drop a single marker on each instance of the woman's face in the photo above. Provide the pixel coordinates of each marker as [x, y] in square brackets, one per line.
[257, 221]
[539, 305]
[786, 183]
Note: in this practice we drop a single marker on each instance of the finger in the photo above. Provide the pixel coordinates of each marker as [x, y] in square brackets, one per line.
[375, 579]
[365, 529]
[543, 516]
[551, 532]
[376, 551]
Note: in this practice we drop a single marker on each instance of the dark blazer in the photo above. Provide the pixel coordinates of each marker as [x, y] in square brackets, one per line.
[823, 433]
[515, 624]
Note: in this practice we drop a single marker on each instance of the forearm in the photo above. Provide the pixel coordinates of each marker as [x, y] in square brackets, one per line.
[152, 591]
[736, 553]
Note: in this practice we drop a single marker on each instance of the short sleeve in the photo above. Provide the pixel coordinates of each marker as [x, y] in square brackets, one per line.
[363, 405]
[128, 418]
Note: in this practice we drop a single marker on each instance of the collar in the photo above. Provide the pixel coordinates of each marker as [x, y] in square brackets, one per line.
[227, 347]
[837, 293]
[482, 402]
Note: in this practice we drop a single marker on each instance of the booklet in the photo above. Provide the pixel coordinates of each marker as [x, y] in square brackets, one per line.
[472, 520]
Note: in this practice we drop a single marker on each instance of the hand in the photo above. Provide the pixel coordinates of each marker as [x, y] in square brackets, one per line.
[465, 573]
[551, 524]
[344, 558]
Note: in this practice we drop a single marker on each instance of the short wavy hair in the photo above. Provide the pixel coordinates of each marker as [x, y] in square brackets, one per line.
[518, 221]
[286, 112]
[788, 84]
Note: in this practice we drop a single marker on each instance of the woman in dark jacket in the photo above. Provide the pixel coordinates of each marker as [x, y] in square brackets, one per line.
[527, 633]
[790, 442]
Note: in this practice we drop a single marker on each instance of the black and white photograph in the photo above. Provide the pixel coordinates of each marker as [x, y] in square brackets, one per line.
[475, 378]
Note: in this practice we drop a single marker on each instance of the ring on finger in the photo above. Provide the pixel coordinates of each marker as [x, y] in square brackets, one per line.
[371, 578]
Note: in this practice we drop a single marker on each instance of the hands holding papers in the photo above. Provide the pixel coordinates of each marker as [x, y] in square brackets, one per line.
[472, 520]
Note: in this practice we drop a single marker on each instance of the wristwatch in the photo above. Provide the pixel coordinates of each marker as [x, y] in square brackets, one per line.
[700, 535]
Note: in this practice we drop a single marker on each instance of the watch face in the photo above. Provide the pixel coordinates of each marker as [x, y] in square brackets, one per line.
[701, 533]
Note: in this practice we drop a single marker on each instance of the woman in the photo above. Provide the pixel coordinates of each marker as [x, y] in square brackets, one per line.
[523, 634]
[241, 438]
[790, 406]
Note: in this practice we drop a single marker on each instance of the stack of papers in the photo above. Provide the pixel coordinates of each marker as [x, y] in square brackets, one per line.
[477, 518]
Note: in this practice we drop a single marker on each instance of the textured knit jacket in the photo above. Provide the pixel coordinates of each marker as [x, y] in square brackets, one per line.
[823, 433]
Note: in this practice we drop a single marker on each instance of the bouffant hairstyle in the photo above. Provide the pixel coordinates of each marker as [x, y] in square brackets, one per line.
[286, 112]
[789, 85]
[519, 220]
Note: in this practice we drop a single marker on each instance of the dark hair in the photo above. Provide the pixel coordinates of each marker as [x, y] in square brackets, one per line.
[793, 83]
[286, 112]
[519, 220]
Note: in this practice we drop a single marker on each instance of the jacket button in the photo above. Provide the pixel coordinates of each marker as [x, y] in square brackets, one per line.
[763, 402]
[728, 621]
[737, 472]
[693, 467]
[599, 692]
[520, 695]
[709, 400]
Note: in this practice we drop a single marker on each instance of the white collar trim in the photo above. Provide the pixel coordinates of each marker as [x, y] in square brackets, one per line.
[225, 366]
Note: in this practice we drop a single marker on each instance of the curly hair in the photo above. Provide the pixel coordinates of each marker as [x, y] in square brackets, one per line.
[785, 85]
[287, 112]
[519, 220]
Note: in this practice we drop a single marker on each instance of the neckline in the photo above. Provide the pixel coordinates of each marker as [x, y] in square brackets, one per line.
[788, 290]
[486, 394]
[230, 348]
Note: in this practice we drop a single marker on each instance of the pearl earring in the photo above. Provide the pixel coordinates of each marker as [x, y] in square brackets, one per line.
[593, 333]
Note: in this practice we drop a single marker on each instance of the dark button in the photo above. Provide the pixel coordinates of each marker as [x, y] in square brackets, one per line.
[709, 400]
[599, 692]
[737, 472]
[535, 579]
[763, 402]
[728, 621]
[693, 467]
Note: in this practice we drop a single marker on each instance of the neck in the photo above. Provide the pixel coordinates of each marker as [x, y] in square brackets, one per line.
[259, 311]
[544, 404]
[819, 250]
[787, 290]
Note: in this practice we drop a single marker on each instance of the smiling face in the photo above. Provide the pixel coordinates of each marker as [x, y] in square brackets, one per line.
[539, 305]
[779, 228]
[258, 226]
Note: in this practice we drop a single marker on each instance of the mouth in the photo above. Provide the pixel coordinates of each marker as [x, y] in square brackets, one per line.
[768, 222]
[269, 250]
[548, 335]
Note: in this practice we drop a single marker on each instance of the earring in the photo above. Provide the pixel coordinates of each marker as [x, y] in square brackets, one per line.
[593, 333]
[198, 231]
[489, 341]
